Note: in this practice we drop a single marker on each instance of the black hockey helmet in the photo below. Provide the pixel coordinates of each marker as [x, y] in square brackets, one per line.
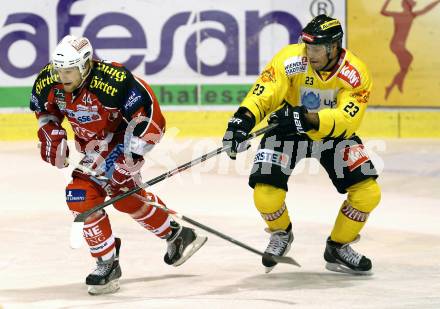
[322, 30]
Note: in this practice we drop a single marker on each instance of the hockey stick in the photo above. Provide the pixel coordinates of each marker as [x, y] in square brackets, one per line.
[277, 259]
[76, 231]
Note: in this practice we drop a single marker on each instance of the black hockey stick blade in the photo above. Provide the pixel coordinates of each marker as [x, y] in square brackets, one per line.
[278, 259]
[282, 259]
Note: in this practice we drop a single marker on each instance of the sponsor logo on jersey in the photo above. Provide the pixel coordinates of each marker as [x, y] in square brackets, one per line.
[272, 157]
[355, 156]
[92, 108]
[134, 97]
[75, 195]
[61, 104]
[43, 82]
[295, 65]
[268, 75]
[47, 68]
[81, 132]
[83, 116]
[350, 75]
[311, 100]
[60, 98]
[361, 96]
[35, 104]
[98, 83]
[111, 159]
[315, 99]
[115, 73]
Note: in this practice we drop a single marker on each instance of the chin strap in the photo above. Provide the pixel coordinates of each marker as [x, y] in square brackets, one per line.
[84, 78]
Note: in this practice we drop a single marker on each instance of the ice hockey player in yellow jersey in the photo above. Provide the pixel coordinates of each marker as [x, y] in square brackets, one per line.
[317, 92]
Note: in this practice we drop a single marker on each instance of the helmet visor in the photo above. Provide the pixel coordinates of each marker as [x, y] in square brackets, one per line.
[316, 50]
[65, 75]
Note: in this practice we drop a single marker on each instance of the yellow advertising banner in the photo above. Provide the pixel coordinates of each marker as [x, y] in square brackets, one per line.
[399, 40]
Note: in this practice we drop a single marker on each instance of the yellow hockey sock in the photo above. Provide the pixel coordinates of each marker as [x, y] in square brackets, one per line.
[269, 201]
[362, 198]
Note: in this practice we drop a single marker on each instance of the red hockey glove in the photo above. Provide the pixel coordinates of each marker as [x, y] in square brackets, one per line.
[53, 139]
[126, 174]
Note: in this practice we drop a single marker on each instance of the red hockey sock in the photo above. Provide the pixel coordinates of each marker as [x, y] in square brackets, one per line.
[99, 237]
[155, 219]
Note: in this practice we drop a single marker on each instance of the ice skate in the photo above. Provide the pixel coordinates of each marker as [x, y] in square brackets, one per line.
[105, 278]
[279, 245]
[342, 258]
[182, 244]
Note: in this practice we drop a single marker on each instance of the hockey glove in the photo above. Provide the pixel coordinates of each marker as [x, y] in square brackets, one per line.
[291, 120]
[126, 174]
[238, 129]
[53, 144]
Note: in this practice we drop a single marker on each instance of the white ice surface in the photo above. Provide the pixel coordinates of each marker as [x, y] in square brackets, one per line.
[39, 270]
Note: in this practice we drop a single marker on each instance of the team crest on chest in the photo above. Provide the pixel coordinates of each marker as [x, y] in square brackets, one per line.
[316, 99]
[60, 98]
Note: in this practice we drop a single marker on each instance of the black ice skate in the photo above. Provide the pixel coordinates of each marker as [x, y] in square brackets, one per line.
[342, 258]
[182, 244]
[279, 245]
[105, 278]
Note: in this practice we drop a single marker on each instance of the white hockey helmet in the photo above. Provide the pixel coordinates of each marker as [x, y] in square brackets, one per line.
[73, 52]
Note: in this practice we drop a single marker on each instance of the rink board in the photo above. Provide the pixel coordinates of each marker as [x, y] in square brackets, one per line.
[212, 123]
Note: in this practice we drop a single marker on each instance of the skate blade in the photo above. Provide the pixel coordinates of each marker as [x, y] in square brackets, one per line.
[191, 249]
[268, 269]
[108, 288]
[345, 270]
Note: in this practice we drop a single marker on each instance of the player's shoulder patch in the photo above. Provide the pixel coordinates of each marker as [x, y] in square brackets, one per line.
[111, 71]
[350, 74]
[295, 65]
[109, 82]
[268, 75]
[292, 58]
[44, 80]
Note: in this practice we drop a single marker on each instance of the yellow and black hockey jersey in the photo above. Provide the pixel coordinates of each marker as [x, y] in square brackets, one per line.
[339, 97]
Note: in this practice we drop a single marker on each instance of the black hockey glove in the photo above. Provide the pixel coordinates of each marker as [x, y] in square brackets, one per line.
[238, 129]
[291, 120]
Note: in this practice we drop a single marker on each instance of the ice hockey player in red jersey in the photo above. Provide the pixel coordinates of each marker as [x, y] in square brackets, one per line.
[116, 120]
